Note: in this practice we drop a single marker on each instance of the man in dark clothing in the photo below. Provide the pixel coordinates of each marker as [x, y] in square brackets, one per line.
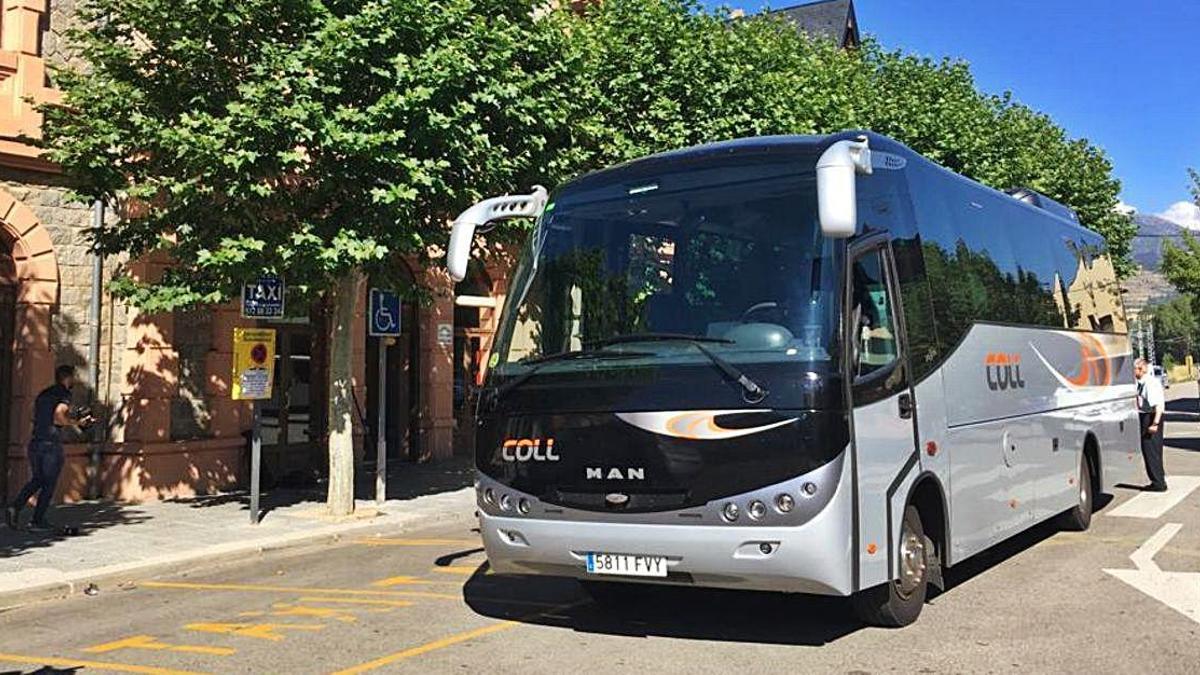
[51, 412]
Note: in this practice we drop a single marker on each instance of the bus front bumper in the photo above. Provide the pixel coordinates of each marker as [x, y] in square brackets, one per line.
[810, 558]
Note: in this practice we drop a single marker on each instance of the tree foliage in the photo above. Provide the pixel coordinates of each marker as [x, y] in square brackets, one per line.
[311, 138]
[1175, 326]
[651, 76]
[318, 137]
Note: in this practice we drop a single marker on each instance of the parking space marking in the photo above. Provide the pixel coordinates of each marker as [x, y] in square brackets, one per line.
[98, 665]
[405, 580]
[262, 588]
[453, 639]
[258, 631]
[359, 601]
[152, 643]
[428, 647]
[1152, 505]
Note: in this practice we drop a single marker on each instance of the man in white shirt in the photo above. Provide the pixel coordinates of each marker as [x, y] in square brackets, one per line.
[1151, 403]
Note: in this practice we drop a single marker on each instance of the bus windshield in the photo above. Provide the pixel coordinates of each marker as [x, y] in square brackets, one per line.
[728, 256]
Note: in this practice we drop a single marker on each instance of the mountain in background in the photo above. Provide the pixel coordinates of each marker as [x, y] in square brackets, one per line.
[1152, 232]
[1147, 286]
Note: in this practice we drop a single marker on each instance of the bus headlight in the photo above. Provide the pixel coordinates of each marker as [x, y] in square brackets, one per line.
[489, 496]
[523, 505]
[730, 511]
[809, 489]
[757, 509]
[506, 502]
[785, 503]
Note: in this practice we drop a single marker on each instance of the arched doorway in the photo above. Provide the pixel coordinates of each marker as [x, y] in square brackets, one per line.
[8, 313]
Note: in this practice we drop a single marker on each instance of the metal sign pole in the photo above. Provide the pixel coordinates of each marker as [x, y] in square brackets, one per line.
[255, 461]
[381, 426]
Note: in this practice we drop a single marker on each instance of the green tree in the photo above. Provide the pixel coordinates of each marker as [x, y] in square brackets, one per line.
[652, 75]
[1175, 325]
[1181, 264]
[316, 139]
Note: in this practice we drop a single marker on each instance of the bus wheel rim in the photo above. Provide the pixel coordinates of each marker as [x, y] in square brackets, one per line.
[912, 562]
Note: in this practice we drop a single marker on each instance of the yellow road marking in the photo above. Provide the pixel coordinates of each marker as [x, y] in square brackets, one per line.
[465, 570]
[151, 643]
[359, 601]
[98, 665]
[396, 581]
[285, 610]
[258, 631]
[450, 640]
[428, 647]
[192, 586]
[383, 541]
[405, 580]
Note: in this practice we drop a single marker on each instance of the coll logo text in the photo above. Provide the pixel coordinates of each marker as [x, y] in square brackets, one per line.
[528, 450]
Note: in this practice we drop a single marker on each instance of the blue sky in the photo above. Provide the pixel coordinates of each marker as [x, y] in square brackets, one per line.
[1123, 74]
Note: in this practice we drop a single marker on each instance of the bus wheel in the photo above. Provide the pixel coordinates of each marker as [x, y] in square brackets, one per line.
[899, 602]
[1079, 518]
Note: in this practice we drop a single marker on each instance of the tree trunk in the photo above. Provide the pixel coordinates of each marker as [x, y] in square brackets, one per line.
[341, 399]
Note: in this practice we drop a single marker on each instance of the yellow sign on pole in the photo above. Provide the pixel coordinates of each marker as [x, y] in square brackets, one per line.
[253, 363]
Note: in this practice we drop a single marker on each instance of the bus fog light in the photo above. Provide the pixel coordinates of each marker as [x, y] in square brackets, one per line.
[506, 502]
[730, 511]
[809, 489]
[757, 509]
[784, 503]
[765, 548]
[489, 496]
[523, 505]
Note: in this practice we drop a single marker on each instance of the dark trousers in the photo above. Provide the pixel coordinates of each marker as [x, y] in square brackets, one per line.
[1152, 451]
[46, 463]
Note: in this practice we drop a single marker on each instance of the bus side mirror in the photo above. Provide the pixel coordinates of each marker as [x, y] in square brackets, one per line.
[488, 211]
[837, 169]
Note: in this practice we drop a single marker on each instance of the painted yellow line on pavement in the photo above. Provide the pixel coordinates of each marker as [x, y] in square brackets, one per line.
[98, 665]
[396, 581]
[358, 601]
[260, 588]
[428, 647]
[383, 541]
[149, 642]
[451, 640]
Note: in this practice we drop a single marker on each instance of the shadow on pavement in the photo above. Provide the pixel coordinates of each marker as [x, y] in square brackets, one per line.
[406, 480]
[707, 614]
[88, 517]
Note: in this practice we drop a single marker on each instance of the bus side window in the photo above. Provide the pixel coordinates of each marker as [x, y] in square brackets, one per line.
[873, 322]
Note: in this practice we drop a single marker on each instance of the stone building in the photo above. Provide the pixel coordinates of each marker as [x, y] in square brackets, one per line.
[160, 384]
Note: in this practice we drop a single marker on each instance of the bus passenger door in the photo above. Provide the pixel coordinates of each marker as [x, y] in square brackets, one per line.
[884, 410]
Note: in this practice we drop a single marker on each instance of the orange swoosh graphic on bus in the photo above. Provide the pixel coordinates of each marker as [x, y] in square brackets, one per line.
[696, 425]
[1095, 364]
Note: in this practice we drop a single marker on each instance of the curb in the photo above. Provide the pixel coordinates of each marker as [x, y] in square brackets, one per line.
[117, 577]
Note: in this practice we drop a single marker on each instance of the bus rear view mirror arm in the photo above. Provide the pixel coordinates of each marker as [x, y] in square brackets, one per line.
[482, 213]
[837, 169]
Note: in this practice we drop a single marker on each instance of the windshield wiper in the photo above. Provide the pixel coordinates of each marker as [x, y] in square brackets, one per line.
[751, 391]
[657, 337]
[536, 364]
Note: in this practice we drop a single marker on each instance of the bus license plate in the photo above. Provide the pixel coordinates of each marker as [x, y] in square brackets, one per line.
[627, 565]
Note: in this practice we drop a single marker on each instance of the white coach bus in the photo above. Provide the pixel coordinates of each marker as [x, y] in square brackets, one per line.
[813, 364]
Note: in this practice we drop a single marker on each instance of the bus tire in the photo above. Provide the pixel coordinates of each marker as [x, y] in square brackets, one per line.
[898, 603]
[1079, 518]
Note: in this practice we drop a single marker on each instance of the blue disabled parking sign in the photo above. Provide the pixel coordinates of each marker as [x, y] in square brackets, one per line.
[385, 313]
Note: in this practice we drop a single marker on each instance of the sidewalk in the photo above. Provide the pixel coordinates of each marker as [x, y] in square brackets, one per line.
[120, 543]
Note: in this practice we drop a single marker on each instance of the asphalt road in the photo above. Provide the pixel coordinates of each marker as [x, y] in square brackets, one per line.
[425, 602]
